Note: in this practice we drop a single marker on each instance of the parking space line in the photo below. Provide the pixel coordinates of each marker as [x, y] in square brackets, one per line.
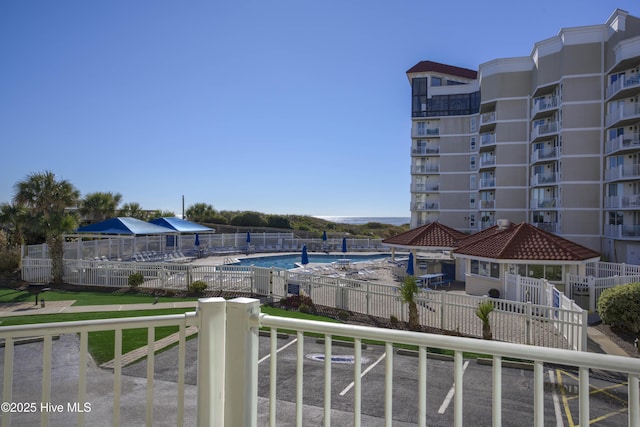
[556, 401]
[373, 365]
[277, 351]
[447, 400]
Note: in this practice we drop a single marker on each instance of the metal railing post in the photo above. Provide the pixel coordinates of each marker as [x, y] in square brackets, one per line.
[241, 393]
[211, 361]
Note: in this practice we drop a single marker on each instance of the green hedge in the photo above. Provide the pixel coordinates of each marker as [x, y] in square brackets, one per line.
[620, 306]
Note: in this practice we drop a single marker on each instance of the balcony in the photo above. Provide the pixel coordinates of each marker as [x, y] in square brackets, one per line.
[231, 377]
[424, 132]
[550, 203]
[544, 179]
[487, 224]
[425, 206]
[551, 227]
[425, 188]
[544, 130]
[487, 138]
[487, 204]
[625, 115]
[487, 161]
[623, 143]
[622, 202]
[620, 231]
[623, 88]
[426, 169]
[487, 121]
[622, 172]
[544, 106]
[425, 150]
[545, 154]
[487, 183]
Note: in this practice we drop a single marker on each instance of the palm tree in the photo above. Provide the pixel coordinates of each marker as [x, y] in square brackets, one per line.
[12, 219]
[408, 292]
[483, 311]
[200, 212]
[133, 210]
[97, 207]
[47, 200]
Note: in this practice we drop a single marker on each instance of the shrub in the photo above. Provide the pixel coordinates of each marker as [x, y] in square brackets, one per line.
[9, 259]
[135, 280]
[304, 308]
[620, 306]
[343, 315]
[197, 287]
[294, 302]
[394, 320]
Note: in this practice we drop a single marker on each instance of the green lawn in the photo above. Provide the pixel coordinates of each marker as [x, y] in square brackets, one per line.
[84, 298]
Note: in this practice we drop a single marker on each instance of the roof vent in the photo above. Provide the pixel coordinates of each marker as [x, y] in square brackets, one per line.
[503, 224]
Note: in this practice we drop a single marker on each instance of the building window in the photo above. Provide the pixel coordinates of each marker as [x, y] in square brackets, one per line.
[485, 268]
[472, 182]
[472, 143]
[472, 124]
[436, 81]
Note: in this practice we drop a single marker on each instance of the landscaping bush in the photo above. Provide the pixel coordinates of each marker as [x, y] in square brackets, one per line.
[620, 306]
[9, 259]
[135, 280]
[197, 287]
[294, 302]
[394, 320]
[343, 315]
[304, 308]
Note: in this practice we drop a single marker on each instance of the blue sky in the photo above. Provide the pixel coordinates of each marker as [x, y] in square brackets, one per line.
[287, 107]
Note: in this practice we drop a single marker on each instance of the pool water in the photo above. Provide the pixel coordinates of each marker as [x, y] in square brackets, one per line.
[289, 261]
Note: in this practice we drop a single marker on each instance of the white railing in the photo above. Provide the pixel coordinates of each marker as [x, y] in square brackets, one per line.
[228, 375]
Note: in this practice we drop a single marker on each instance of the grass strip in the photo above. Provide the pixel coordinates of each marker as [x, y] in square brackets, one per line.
[84, 297]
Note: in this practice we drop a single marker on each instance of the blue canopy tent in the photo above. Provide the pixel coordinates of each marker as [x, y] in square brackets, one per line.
[183, 227]
[124, 225]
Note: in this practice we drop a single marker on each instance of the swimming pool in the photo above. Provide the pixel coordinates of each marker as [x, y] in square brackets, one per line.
[289, 261]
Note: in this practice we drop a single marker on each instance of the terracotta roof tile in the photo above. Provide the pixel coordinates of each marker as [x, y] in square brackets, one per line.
[433, 235]
[522, 241]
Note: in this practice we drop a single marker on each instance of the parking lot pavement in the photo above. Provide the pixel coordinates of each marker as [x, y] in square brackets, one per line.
[608, 399]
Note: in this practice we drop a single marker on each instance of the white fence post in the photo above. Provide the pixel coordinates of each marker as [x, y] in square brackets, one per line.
[241, 388]
[211, 361]
[592, 293]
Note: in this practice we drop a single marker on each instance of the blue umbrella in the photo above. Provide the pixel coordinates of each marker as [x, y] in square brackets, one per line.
[248, 237]
[324, 236]
[344, 245]
[197, 242]
[410, 265]
[305, 256]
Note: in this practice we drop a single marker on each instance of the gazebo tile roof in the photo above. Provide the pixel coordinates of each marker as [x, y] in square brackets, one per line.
[522, 241]
[433, 234]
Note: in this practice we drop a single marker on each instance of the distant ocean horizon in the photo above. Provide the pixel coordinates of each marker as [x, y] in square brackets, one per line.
[392, 220]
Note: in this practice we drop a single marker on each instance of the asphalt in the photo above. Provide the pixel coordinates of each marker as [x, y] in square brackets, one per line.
[27, 381]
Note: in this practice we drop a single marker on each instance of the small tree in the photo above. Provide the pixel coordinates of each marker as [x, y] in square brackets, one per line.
[408, 292]
[620, 306]
[483, 311]
[135, 280]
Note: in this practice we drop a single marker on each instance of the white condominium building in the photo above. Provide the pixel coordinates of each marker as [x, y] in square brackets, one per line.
[552, 138]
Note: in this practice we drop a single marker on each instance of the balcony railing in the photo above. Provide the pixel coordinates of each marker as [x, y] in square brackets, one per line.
[228, 377]
[424, 169]
[487, 138]
[544, 154]
[621, 231]
[625, 113]
[487, 161]
[544, 104]
[545, 129]
[425, 206]
[544, 178]
[632, 81]
[622, 202]
[423, 132]
[623, 142]
[487, 182]
[486, 224]
[487, 118]
[425, 151]
[487, 204]
[628, 171]
[425, 188]
[549, 203]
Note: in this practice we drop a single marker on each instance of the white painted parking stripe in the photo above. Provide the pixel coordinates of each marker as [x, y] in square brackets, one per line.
[350, 386]
[556, 400]
[447, 400]
[278, 351]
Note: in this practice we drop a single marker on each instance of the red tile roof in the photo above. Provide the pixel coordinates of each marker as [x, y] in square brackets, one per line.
[523, 242]
[433, 235]
[425, 66]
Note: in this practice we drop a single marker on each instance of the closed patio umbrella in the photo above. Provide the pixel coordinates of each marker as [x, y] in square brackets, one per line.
[410, 271]
[197, 242]
[344, 245]
[305, 256]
